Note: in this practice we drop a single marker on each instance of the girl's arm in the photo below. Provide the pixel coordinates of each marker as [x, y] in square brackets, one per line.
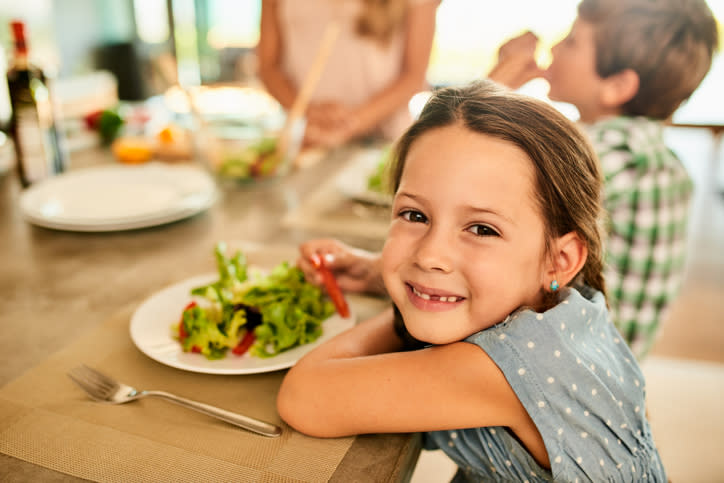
[269, 52]
[356, 383]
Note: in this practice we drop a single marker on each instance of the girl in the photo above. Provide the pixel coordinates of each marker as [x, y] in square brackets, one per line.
[493, 261]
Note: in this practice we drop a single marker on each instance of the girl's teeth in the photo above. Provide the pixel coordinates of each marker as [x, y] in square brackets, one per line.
[425, 296]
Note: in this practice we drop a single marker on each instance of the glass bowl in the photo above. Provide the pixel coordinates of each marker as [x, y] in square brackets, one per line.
[235, 131]
[239, 150]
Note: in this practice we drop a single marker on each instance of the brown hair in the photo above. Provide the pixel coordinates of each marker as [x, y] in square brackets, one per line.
[379, 19]
[568, 183]
[668, 43]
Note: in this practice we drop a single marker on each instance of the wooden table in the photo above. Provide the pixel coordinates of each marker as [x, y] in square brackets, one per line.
[58, 285]
[717, 131]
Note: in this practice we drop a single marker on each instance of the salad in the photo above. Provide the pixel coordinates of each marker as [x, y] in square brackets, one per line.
[257, 160]
[377, 180]
[247, 311]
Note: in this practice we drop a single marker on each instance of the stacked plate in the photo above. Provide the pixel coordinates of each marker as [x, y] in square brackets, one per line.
[118, 197]
[7, 154]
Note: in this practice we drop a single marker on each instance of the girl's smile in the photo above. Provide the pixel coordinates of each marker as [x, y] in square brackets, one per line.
[432, 300]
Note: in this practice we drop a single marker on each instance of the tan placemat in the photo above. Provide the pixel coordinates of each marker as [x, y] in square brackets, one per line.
[46, 420]
[333, 208]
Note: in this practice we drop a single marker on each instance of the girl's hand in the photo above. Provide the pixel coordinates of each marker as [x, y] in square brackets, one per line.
[354, 269]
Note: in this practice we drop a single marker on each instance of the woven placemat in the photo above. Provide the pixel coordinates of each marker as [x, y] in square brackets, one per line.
[46, 420]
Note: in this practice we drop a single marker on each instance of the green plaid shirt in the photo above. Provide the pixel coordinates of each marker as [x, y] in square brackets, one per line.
[646, 196]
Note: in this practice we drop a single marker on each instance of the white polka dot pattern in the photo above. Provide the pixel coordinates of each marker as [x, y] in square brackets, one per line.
[580, 385]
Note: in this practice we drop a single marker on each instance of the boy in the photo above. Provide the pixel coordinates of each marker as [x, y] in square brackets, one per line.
[627, 66]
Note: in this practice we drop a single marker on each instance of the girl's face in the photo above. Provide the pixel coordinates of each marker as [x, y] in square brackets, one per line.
[466, 242]
[572, 73]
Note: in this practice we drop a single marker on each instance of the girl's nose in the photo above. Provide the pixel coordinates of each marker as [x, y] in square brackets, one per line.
[434, 251]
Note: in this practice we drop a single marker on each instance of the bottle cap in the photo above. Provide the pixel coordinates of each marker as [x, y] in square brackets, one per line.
[18, 28]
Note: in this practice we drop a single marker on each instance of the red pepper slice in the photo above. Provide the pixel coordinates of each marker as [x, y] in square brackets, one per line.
[244, 343]
[93, 119]
[330, 284]
[181, 330]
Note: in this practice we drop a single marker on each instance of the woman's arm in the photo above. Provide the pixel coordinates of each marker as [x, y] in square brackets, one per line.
[269, 52]
[349, 123]
[335, 123]
[419, 33]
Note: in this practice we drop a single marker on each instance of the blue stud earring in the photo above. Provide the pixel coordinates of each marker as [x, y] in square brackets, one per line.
[554, 285]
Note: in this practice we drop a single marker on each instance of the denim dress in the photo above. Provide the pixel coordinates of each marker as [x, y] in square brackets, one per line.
[582, 387]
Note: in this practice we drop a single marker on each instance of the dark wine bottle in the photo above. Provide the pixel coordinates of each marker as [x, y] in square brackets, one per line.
[32, 123]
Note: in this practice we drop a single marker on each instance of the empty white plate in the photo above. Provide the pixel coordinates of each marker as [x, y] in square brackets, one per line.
[118, 197]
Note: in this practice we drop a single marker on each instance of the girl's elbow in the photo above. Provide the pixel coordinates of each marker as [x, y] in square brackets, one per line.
[285, 405]
[291, 408]
[304, 423]
[300, 412]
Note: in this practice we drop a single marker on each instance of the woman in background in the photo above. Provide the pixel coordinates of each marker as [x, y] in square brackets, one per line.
[377, 64]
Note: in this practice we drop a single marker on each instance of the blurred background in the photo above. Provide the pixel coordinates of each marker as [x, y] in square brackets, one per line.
[148, 44]
[103, 52]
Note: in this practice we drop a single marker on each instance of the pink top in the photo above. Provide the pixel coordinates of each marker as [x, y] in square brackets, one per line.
[357, 68]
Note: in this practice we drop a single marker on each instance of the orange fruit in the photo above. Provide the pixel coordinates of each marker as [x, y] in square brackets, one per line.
[132, 150]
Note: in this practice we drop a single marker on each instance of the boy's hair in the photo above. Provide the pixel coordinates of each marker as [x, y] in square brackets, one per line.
[568, 182]
[668, 43]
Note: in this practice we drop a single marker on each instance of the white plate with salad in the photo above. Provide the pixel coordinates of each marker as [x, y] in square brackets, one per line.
[155, 326]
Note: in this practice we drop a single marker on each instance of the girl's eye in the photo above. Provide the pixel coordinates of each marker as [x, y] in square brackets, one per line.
[413, 216]
[483, 230]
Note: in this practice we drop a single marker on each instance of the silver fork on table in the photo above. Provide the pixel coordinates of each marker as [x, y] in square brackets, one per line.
[106, 389]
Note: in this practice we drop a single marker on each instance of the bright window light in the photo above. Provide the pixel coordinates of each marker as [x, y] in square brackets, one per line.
[151, 20]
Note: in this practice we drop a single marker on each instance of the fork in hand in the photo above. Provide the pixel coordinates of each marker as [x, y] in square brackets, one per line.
[105, 389]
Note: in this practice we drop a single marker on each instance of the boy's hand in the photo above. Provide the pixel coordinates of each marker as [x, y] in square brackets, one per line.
[355, 270]
[516, 61]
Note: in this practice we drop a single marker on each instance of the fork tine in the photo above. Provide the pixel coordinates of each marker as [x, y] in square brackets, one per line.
[99, 378]
[101, 385]
[93, 391]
